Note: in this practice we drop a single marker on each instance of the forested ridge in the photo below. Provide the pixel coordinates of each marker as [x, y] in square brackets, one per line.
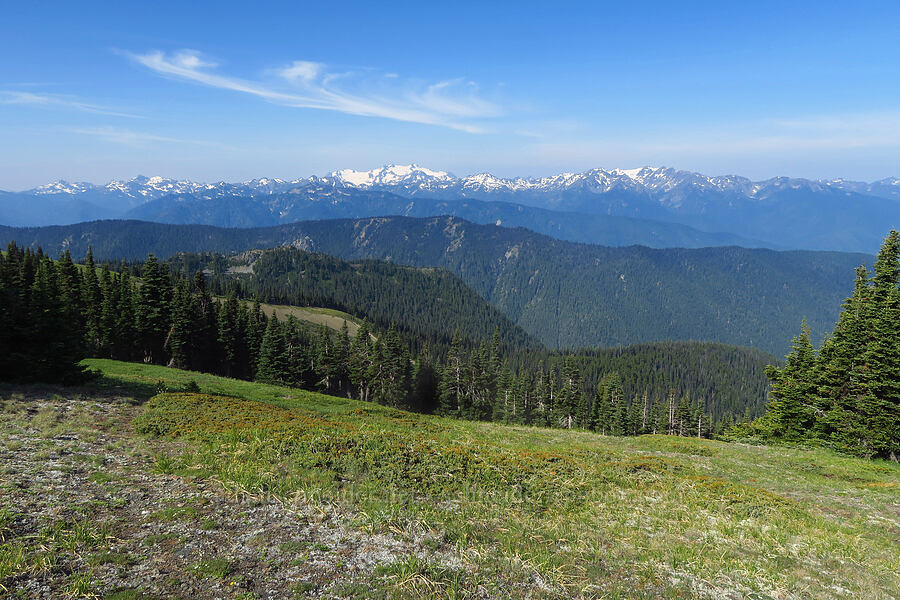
[314, 202]
[426, 305]
[565, 294]
[846, 393]
[56, 313]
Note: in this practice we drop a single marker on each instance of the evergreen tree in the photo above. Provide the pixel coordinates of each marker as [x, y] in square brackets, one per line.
[273, 364]
[181, 334]
[700, 421]
[204, 339]
[571, 396]
[549, 397]
[55, 344]
[126, 341]
[425, 387]
[227, 336]
[601, 409]
[505, 400]
[684, 416]
[850, 394]
[452, 385]
[109, 310]
[340, 369]
[392, 379]
[323, 357]
[362, 358]
[876, 418]
[91, 299]
[153, 312]
[300, 355]
[793, 386]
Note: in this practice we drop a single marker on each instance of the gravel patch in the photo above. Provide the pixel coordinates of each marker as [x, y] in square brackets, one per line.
[72, 466]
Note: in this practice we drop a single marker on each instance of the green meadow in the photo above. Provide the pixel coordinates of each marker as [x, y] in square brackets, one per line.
[534, 512]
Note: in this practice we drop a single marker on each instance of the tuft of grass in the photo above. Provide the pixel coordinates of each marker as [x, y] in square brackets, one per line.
[125, 594]
[176, 513]
[111, 558]
[416, 578]
[13, 561]
[81, 585]
[158, 538]
[302, 588]
[73, 535]
[165, 464]
[212, 568]
[7, 517]
[102, 477]
[293, 547]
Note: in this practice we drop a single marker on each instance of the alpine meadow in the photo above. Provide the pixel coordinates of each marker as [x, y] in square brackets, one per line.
[616, 317]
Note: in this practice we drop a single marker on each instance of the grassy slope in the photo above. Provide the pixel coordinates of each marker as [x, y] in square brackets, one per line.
[333, 319]
[549, 512]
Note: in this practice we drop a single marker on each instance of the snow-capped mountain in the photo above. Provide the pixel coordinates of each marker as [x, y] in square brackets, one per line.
[817, 214]
[406, 176]
[665, 185]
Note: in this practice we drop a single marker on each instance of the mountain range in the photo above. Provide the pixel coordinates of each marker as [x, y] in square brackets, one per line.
[653, 206]
[565, 294]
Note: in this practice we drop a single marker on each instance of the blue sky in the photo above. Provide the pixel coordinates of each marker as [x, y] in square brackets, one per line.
[211, 91]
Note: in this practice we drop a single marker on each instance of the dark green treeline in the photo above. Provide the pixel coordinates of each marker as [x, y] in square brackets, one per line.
[55, 312]
[846, 394]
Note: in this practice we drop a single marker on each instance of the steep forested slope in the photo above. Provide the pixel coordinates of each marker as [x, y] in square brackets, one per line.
[566, 294]
[426, 304]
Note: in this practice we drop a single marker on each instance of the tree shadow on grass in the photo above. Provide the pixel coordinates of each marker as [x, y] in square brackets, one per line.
[140, 391]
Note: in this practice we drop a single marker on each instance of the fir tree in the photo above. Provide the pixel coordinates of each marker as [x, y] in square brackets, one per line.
[571, 396]
[452, 385]
[109, 310]
[362, 359]
[91, 299]
[124, 346]
[273, 364]
[340, 369]
[793, 387]
[153, 312]
[181, 334]
[227, 335]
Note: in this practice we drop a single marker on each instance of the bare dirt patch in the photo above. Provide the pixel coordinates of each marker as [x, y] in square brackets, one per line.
[89, 509]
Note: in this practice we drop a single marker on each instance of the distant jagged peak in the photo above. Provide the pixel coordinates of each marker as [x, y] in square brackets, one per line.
[669, 185]
[391, 175]
[61, 186]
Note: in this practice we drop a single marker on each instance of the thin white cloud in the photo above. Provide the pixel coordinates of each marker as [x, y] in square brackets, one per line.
[128, 137]
[54, 101]
[306, 84]
[301, 70]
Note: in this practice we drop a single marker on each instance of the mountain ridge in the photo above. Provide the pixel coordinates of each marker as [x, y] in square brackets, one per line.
[779, 213]
[565, 294]
[650, 178]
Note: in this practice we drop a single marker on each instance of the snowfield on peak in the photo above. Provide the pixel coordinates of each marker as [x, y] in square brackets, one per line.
[665, 184]
[390, 175]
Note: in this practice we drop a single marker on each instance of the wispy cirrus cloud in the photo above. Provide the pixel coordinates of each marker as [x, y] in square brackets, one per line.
[128, 137]
[305, 84]
[59, 102]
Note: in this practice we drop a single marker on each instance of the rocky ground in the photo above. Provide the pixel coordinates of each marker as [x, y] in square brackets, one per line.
[90, 509]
